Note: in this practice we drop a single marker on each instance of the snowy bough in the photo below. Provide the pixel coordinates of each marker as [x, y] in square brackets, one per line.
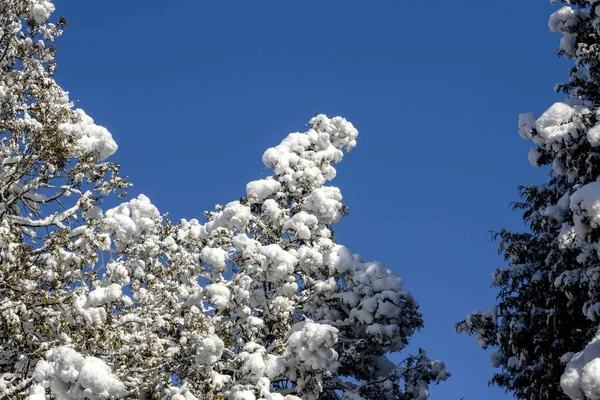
[109, 299]
[545, 326]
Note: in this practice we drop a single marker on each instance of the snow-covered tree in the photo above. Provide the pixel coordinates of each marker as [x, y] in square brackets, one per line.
[52, 176]
[294, 312]
[545, 327]
[258, 302]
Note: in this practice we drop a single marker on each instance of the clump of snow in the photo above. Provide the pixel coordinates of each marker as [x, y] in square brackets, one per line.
[557, 210]
[131, 220]
[439, 369]
[118, 273]
[103, 295]
[581, 380]
[98, 381]
[91, 307]
[219, 380]
[261, 189]
[568, 44]
[565, 19]
[89, 137]
[234, 216]
[271, 210]
[210, 350]
[593, 135]
[280, 262]
[326, 203]
[556, 123]
[37, 392]
[301, 224]
[243, 395]
[179, 393]
[216, 257]
[341, 132]
[258, 365]
[534, 157]
[585, 204]
[218, 294]
[341, 260]
[526, 124]
[302, 161]
[311, 345]
[70, 375]
[41, 10]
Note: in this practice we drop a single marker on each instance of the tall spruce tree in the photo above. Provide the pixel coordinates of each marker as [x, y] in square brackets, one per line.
[549, 302]
[258, 302]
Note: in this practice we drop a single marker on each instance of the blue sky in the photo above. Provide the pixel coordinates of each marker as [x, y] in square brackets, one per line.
[194, 92]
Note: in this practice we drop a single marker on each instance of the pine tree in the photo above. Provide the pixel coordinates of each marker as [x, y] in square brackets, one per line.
[295, 312]
[258, 302]
[548, 294]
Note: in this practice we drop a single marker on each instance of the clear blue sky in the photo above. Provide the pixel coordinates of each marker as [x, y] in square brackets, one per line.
[194, 92]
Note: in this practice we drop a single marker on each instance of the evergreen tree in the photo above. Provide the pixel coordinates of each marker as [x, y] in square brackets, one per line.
[548, 305]
[258, 302]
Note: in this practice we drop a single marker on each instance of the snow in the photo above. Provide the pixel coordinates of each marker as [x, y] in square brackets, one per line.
[41, 10]
[556, 123]
[179, 393]
[593, 311]
[261, 189]
[243, 395]
[92, 315]
[257, 365]
[534, 156]
[210, 350]
[564, 19]
[593, 135]
[568, 44]
[104, 295]
[302, 161]
[70, 375]
[526, 124]
[327, 287]
[585, 204]
[97, 379]
[90, 138]
[326, 203]
[219, 380]
[216, 257]
[234, 216]
[272, 210]
[489, 315]
[439, 368]
[311, 345]
[130, 220]
[382, 299]
[280, 262]
[341, 132]
[581, 380]
[340, 259]
[282, 307]
[218, 294]
[512, 362]
[37, 392]
[301, 225]
[557, 211]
